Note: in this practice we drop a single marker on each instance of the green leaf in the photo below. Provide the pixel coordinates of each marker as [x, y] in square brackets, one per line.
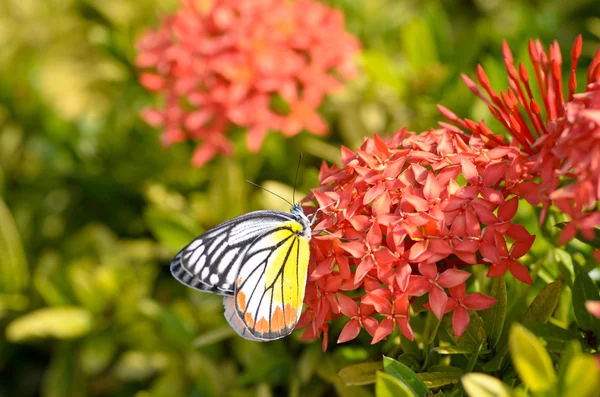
[174, 230]
[543, 305]
[96, 353]
[551, 332]
[388, 386]
[438, 379]
[214, 336]
[360, 374]
[411, 360]
[532, 362]
[454, 349]
[582, 378]
[483, 385]
[309, 362]
[594, 242]
[571, 350]
[584, 289]
[14, 271]
[382, 69]
[565, 264]
[63, 376]
[405, 374]
[494, 317]
[418, 45]
[64, 322]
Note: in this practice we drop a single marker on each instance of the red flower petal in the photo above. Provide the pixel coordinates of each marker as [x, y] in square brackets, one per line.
[479, 301]
[403, 277]
[349, 332]
[469, 171]
[374, 236]
[405, 328]
[385, 328]
[460, 321]
[431, 190]
[520, 272]
[418, 285]
[365, 266]
[508, 210]
[437, 301]
[428, 270]
[347, 305]
[452, 278]
[354, 248]
[373, 193]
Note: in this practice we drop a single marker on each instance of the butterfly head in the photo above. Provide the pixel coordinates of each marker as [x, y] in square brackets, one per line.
[299, 216]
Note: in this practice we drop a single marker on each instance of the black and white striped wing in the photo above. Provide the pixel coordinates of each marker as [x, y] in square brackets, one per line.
[211, 262]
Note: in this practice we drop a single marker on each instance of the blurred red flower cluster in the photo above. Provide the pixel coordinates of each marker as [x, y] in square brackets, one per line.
[403, 216]
[560, 138]
[229, 63]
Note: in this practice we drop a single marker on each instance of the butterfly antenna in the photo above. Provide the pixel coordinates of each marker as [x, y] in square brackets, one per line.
[296, 179]
[267, 190]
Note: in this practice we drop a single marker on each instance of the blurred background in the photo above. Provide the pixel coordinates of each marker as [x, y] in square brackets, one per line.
[93, 207]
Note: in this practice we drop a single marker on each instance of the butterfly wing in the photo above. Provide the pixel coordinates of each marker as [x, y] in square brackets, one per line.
[211, 262]
[270, 284]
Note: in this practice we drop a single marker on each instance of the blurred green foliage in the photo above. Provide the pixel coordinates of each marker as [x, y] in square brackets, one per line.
[92, 207]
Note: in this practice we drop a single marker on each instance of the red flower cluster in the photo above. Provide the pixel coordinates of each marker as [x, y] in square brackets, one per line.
[225, 65]
[403, 215]
[561, 139]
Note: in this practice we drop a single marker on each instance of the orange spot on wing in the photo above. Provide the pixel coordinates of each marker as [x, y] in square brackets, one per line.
[241, 301]
[249, 320]
[290, 315]
[239, 281]
[277, 320]
[262, 326]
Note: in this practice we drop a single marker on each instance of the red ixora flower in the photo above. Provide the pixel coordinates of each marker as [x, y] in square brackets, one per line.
[227, 63]
[405, 216]
[561, 137]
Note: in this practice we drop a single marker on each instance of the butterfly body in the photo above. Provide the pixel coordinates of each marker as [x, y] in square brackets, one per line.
[259, 262]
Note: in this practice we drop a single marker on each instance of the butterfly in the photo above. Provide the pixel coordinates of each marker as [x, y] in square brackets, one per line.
[259, 263]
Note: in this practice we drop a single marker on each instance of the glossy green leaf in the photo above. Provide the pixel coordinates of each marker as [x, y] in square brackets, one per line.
[405, 374]
[484, 385]
[584, 289]
[64, 322]
[360, 374]
[438, 379]
[532, 362]
[543, 305]
[494, 317]
[387, 385]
